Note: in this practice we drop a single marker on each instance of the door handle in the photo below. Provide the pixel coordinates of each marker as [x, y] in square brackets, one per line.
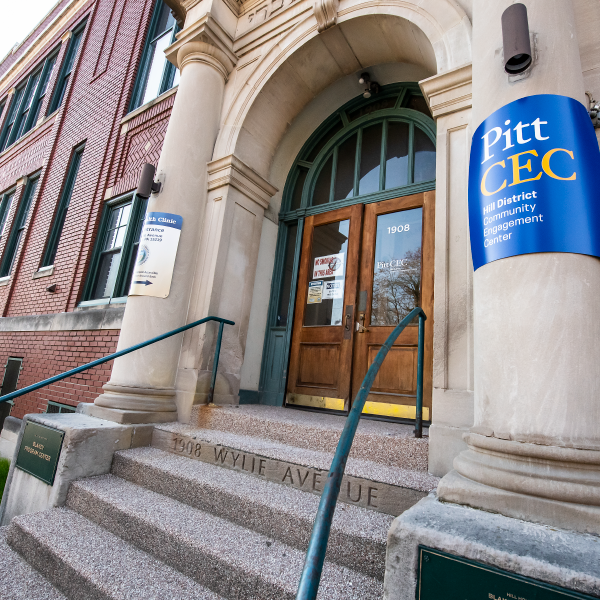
[360, 327]
[349, 320]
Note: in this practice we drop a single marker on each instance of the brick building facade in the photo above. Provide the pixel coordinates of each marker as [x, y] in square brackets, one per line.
[90, 54]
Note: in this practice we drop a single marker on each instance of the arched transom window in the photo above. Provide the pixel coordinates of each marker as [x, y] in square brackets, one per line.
[365, 151]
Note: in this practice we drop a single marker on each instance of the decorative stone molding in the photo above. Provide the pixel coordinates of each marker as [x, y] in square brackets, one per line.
[232, 171]
[204, 53]
[179, 12]
[66, 36]
[449, 92]
[205, 41]
[326, 12]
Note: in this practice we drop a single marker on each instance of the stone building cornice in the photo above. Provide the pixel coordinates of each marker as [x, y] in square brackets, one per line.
[449, 92]
[40, 44]
[230, 170]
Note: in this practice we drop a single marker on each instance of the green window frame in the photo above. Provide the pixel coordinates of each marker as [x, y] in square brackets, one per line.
[18, 227]
[67, 68]
[156, 74]
[27, 103]
[115, 252]
[58, 408]
[395, 104]
[63, 206]
[5, 205]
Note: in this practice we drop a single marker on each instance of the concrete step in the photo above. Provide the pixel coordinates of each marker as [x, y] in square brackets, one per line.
[385, 443]
[18, 580]
[234, 562]
[358, 537]
[367, 484]
[84, 560]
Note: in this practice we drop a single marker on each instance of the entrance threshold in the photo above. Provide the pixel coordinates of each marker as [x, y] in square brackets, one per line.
[380, 409]
[365, 416]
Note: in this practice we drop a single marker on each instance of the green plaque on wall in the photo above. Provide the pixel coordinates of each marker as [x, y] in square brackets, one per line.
[451, 577]
[39, 451]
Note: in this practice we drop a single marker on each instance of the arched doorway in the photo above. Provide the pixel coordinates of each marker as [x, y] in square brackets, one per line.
[355, 254]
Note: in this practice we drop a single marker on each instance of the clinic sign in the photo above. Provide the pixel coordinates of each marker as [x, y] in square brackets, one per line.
[155, 261]
[533, 181]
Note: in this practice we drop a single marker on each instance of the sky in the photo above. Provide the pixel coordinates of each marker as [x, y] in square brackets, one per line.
[16, 22]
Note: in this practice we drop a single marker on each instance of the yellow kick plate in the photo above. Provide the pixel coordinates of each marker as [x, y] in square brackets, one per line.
[383, 409]
[315, 401]
[400, 411]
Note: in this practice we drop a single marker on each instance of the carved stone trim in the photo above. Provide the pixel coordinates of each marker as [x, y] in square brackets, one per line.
[326, 12]
[232, 171]
[372, 495]
[208, 32]
[449, 92]
[204, 53]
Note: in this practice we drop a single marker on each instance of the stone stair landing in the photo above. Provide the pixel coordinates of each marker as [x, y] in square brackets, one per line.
[389, 444]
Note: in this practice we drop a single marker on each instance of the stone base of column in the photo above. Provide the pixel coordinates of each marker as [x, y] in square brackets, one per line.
[543, 484]
[545, 554]
[126, 404]
[127, 417]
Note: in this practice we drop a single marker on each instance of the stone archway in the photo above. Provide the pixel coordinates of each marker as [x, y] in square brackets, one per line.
[284, 80]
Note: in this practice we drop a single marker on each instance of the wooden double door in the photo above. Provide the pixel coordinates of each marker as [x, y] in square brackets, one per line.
[363, 268]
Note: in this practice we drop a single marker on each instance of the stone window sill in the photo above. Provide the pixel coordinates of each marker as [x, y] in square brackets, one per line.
[103, 303]
[4, 280]
[44, 272]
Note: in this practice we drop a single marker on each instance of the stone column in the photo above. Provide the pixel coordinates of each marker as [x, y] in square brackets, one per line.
[449, 96]
[142, 384]
[237, 200]
[534, 452]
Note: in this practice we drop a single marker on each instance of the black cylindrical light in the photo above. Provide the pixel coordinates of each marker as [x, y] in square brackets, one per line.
[146, 180]
[515, 36]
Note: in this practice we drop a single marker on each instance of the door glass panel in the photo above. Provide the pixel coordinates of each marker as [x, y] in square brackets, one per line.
[286, 280]
[396, 166]
[326, 275]
[424, 157]
[397, 269]
[323, 185]
[370, 161]
[344, 178]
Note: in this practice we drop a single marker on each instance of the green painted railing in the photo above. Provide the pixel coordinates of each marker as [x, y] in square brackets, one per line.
[317, 547]
[95, 363]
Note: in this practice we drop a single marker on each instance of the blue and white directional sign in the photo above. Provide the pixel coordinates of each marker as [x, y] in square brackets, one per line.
[533, 181]
[153, 269]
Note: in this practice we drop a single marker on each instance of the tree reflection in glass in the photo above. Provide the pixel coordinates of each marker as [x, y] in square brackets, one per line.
[397, 268]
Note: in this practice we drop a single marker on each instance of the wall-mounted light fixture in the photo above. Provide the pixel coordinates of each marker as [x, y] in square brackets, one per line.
[594, 110]
[147, 185]
[371, 87]
[516, 40]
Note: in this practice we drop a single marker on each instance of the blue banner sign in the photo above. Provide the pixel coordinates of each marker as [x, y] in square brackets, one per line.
[534, 181]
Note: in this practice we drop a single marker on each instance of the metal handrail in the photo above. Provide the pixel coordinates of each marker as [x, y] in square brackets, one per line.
[317, 547]
[95, 363]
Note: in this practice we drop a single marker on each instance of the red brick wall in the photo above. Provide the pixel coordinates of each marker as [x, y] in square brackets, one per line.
[96, 100]
[48, 353]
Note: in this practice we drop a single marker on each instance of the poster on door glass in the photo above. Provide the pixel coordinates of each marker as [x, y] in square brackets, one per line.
[397, 268]
[315, 292]
[327, 274]
[328, 266]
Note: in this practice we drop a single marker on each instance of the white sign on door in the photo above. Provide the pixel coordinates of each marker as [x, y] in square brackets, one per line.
[331, 265]
[333, 289]
[155, 261]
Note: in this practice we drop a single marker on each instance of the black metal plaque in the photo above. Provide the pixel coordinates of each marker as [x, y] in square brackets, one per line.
[39, 451]
[451, 577]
